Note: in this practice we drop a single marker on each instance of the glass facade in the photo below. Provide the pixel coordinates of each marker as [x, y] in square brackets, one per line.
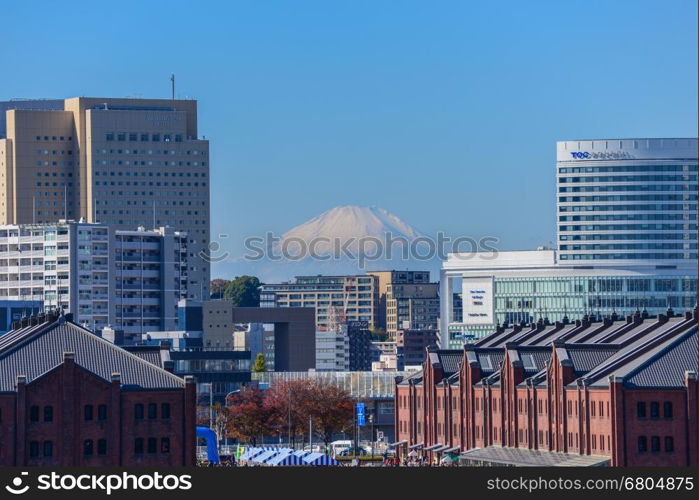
[530, 298]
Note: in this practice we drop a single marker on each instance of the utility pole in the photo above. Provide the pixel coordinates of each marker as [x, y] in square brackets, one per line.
[289, 415]
[310, 434]
[172, 84]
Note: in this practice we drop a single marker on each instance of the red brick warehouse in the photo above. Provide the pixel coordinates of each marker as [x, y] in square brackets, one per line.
[70, 398]
[594, 392]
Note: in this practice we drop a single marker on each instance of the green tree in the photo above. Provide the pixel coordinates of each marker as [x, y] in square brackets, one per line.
[259, 365]
[217, 287]
[243, 291]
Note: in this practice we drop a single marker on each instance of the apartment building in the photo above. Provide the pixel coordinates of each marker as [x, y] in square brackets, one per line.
[131, 280]
[387, 278]
[121, 162]
[150, 277]
[355, 297]
[411, 307]
[63, 265]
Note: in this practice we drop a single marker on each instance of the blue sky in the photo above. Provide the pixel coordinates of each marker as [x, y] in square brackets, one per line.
[444, 113]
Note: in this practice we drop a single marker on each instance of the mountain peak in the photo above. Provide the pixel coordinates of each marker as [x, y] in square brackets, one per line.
[351, 221]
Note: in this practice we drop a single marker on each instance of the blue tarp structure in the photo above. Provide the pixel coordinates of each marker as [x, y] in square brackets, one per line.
[285, 459]
[319, 459]
[211, 448]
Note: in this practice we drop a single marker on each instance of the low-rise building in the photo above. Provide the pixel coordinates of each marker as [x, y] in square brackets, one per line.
[70, 398]
[617, 391]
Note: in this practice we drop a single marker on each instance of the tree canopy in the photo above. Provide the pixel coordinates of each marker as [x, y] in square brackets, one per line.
[243, 291]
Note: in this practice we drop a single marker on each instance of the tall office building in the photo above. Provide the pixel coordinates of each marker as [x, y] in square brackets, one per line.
[122, 162]
[627, 200]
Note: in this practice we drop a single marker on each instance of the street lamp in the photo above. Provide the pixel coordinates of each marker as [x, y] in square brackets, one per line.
[371, 421]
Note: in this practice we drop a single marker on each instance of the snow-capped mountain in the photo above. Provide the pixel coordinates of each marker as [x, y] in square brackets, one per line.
[346, 227]
[342, 240]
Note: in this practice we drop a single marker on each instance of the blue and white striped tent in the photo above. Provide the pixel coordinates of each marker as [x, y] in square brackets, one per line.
[285, 459]
[302, 453]
[265, 455]
[319, 459]
[251, 452]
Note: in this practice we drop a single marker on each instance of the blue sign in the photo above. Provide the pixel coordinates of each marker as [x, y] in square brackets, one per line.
[361, 414]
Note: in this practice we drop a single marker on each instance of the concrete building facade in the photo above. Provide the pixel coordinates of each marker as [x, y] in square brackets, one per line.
[122, 162]
[131, 280]
[355, 297]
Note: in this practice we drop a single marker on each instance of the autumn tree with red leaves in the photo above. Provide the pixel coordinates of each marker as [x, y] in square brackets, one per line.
[285, 409]
[248, 418]
[332, 409]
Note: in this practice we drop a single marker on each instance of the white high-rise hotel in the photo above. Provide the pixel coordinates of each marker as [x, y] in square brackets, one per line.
[627, 201]
[627, 240]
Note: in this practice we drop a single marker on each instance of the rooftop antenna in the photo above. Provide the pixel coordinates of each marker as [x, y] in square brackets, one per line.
[172, 82]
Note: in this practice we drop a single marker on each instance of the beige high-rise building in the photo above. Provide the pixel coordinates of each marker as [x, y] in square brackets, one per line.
[122, 162]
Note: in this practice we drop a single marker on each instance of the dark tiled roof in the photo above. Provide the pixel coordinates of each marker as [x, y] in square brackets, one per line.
[450, 361]
[40, 350]
[666, 369]
[585, 357]
[152, 354]
[522, 457]
[490, 360]
[635, 354]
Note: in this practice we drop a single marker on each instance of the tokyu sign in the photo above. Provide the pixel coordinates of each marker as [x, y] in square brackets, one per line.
[612, 155]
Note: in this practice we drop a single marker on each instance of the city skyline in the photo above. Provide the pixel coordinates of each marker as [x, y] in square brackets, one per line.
[337, 103]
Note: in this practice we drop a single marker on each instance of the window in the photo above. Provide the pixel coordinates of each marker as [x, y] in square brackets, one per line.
[641, 409]
[165, 410]
[109, 136]
[654, 410]
[667, 409]
[34, 414]
[34, 449]
[102, 412]
[669, 443]
[165, 445]
[642, 444]
[48, 448]
[152, 445]
[102, 447]
[88, 413]
[152, 411]
[48, 413]
[138, 446]
[88, 448]
[138, 411]
[655, 443]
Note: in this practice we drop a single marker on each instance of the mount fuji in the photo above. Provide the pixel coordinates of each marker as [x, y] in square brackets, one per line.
[344, 240]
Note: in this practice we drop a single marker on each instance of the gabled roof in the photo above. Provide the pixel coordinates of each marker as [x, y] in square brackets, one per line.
[586, 356]
[662, 367]
[450, 360]
[36, 351]
[666, 369]
[636, 352]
